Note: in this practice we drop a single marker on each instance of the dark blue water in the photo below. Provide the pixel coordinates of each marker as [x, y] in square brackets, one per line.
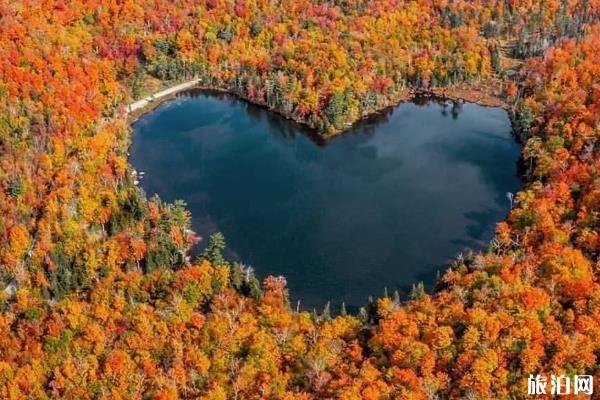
[387, 204]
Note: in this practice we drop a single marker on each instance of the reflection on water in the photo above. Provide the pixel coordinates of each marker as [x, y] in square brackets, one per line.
[387, 204]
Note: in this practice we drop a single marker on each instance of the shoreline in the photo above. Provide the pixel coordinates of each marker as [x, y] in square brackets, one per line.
[134, 111]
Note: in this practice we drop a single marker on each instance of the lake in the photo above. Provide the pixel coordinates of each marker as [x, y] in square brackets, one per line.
[385, 205]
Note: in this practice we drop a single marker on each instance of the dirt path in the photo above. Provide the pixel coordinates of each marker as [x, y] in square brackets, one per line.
[140, 104]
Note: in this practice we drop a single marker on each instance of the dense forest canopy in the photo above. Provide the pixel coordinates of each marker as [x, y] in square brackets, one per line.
[99, 297]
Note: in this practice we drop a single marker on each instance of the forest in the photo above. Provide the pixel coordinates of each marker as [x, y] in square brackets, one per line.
[99, 296]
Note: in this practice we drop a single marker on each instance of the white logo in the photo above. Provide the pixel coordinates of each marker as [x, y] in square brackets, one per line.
[560, 385]
[536, 385]
[583, 384]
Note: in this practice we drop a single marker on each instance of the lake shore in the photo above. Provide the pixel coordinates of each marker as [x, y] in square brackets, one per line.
[273, 184]
[478, 94]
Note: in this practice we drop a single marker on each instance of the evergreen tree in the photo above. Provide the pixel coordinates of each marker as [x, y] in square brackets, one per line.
[214, 251]
[496, 58]
[343, 311]
[336, 109]
[363, 316]
[326, 314]
[418, 291]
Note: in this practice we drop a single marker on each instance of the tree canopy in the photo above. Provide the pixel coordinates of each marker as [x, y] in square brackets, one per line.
[99, 298]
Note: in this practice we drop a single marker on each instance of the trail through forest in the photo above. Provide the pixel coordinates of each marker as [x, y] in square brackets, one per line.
[140, 104]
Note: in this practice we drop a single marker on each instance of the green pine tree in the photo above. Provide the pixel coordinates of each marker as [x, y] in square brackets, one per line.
[214, 251]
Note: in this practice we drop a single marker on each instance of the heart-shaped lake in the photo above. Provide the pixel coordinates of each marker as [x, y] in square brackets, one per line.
[387, 204]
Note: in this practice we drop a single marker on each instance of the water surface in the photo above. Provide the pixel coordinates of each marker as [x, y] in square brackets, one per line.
[387, 204]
